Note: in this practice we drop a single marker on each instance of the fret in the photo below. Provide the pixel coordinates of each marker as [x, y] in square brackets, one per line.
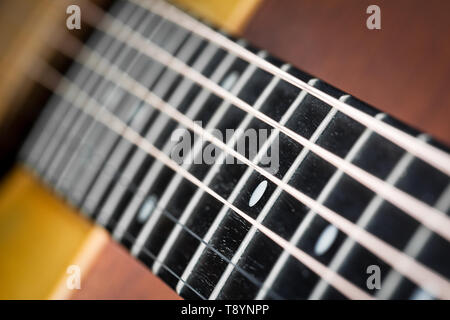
[244, 180]
[158, 131]
[34, 146]
[308, 219]
[147, 182]
[188, 52]
[216, 118]
[94, 84]
[188, 237]
[222, 216]
[203, 101]
[183, 219]
[230, 275]
[58, 117]
[128, 107]
[414, 247]
[64, 115]
[58, 144]
[113, 164]
[176, 207]
[364, 220]
[241, 184]
[153, 69]
[148, 72]
[384, 220]
[253, 259]
[93, 130]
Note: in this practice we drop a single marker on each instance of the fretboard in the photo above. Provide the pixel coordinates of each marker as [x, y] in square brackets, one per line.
[170, 217]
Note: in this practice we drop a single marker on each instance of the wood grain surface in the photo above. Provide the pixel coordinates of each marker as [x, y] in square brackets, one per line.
[402, 69]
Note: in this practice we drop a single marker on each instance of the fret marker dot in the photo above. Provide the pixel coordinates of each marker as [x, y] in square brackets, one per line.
[230, 80]
[325, 240]
[147, 209]
[420, 294]
[257, 193]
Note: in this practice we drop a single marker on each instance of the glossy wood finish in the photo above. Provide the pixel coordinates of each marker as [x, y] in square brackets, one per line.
[230, 15]
[40, 236]
[116, 275]
[403, 69]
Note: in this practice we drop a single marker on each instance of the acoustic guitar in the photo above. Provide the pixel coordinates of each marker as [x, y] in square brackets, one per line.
[225, 150]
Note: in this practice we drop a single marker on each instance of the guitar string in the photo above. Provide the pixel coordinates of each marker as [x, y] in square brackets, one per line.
[115, 124]
[72, 45]
[143, 88]
[419, 274]
[420, 211]
[399, 260]
[428, 153]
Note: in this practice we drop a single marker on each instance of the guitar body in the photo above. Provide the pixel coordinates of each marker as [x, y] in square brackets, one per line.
[41, 236]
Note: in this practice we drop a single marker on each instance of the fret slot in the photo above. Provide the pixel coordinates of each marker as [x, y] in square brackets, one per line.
[211, 103]
[163, 225]
[140, 161]
[165, 87]
[204, 114]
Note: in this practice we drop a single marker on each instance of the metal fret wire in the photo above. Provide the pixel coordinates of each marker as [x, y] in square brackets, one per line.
[166, 80]
[151, 132]
[109, 207]
[58, 120]
[223, 212]
[369, 240]
[152, 135]
[301, 229]
[414, 247]
[419, 210]
[149, 227]
[189, 209]
[73, 125]
[186, 86]
[172, 218]
[201, 98]
[69, 173]
[218, 115]
[364, 220]
[397, 259]
[199, 238]
[88, 175]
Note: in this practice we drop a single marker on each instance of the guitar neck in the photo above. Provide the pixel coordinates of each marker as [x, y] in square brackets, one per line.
[204, 221]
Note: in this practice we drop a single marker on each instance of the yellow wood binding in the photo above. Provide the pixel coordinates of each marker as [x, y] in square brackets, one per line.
[40, 236]
[231, 15]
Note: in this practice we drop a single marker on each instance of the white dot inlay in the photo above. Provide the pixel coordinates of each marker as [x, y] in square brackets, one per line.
[325, 240]
[147, 209]
[420, 294]
[257, 193]
[230, 80]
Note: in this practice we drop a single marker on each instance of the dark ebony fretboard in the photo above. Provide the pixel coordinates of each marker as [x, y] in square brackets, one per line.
[192, 241]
